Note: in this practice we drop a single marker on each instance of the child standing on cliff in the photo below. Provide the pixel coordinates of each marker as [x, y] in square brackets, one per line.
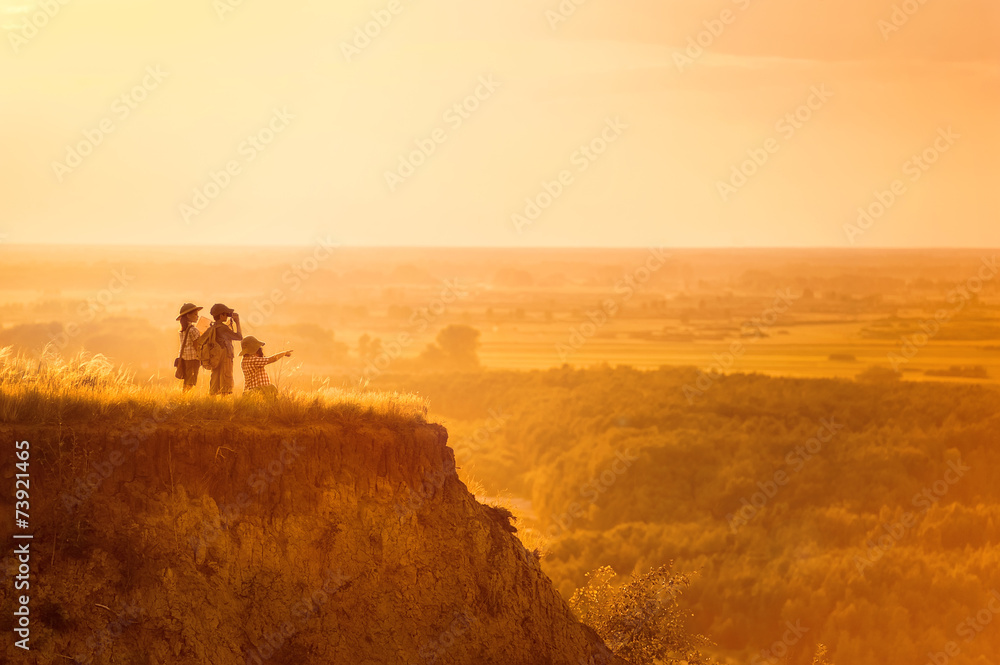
[189, 350]
[222, 376]
[253, 364]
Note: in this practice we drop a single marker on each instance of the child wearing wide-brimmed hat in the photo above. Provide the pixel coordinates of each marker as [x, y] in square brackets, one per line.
[189, 353]
[253, 364]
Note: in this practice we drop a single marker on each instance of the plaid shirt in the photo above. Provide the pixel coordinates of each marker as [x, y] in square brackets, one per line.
[254, 374]
[188, 338]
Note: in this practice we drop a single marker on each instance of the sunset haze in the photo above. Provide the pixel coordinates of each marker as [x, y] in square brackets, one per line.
[688, 115]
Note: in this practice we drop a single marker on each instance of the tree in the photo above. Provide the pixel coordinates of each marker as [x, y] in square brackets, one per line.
[640, 621]
[876, 374]
[369, 348]
[819, 658]
[457, 347]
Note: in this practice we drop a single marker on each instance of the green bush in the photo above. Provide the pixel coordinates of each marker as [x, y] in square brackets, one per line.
[641, 620]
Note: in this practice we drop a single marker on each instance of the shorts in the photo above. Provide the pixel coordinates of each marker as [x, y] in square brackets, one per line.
[222, 378]
[265, 391]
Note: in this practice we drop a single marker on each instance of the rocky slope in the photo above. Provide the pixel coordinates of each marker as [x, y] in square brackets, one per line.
[165, 543]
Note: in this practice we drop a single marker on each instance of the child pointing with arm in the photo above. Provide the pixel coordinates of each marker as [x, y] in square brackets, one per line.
[253, 366]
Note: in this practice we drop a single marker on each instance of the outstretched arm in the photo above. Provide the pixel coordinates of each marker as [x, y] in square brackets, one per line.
[277, 356]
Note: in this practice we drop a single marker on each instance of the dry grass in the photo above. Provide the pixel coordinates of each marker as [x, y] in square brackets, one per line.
[84, 387]
[532, 539]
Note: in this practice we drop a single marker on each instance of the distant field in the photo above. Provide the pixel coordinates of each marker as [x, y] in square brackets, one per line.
[532, 309]
[805, 351]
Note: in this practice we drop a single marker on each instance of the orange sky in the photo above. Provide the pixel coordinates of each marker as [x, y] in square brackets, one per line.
[340, 122]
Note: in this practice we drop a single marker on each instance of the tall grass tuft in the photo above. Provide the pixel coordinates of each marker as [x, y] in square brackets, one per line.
[533, 539]
[52, 389]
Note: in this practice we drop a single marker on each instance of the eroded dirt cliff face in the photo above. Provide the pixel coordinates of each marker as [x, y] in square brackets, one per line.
[157, 543]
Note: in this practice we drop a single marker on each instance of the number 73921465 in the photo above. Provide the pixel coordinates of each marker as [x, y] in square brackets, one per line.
[22, 484]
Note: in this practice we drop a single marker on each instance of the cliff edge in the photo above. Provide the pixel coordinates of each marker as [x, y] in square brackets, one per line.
[216, 543]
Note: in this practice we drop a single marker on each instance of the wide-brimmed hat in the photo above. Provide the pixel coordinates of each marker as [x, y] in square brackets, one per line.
[187, 308]
[250, 345]
[219, 308]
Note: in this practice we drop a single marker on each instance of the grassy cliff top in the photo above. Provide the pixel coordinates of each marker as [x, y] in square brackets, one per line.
[89, 388]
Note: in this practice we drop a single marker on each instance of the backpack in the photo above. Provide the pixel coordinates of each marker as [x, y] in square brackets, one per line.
[210, 352]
